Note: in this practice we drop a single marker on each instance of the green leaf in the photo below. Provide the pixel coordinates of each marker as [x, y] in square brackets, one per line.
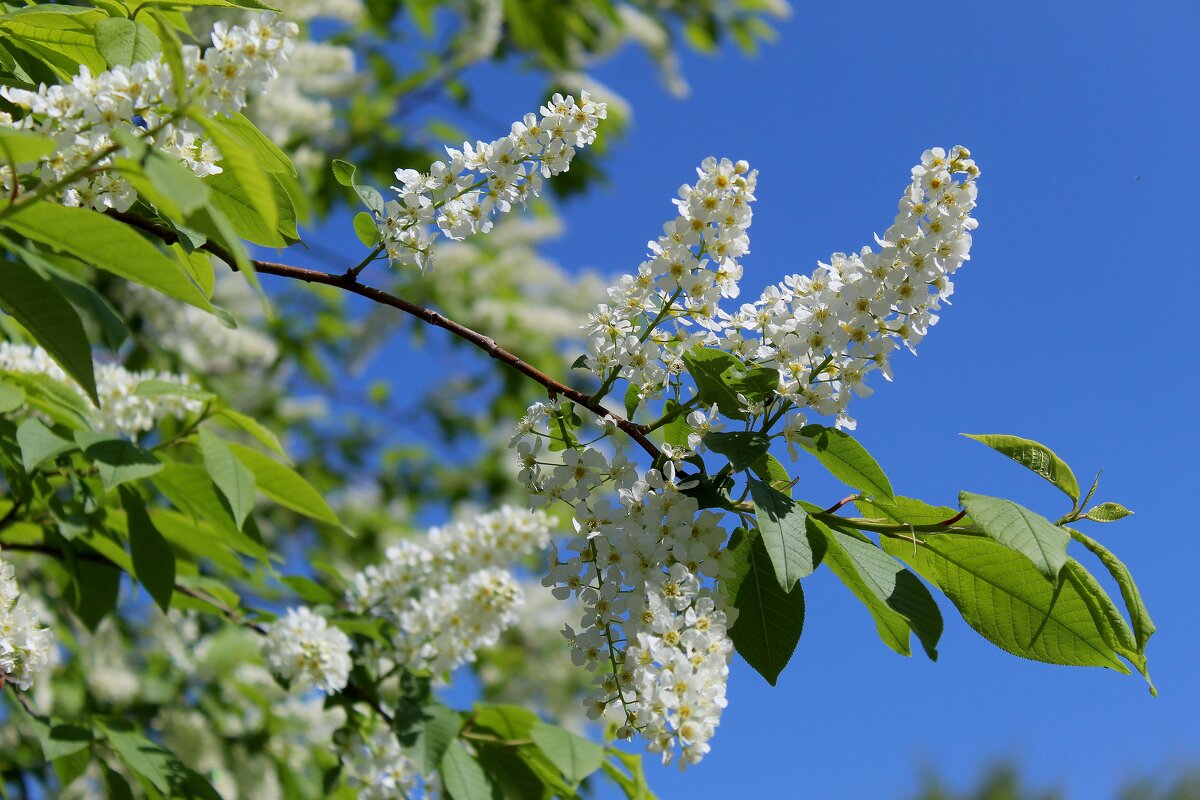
[462, 776]
[284, 485]
[707, 367]
[675, 432]
[847, 460]
[233, 199]
[441, 727]
[896, 598]
[189, 488]
[159, 767]
[998, 591]
[793, 551]
[39, 444]
[94, 589]
[24, 147]
[124, 42]
[116, 785]
[1033, 456]
[742, 448]
[511, 774]
[770, 470]
[230, 475]
[255, 141]
[1108, 512]
[117, 460]
[252, 4]
[12, 397]
[1015, 526]
[756, 383]
[1143, 626]
[634, 784]
[507, 722]
[69, 768]
[153, 559]
[770, 620]
[239, 164]
[110, 323]
[50, 319]
[309, 590]
[57, 739]
[158, 388]
[60, 31]
[176, 190]
[55, 399]
[575, 756]
[254, 428]
[365, 229]
[108, 245]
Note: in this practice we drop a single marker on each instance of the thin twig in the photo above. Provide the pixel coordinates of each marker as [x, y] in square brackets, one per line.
[349, 282]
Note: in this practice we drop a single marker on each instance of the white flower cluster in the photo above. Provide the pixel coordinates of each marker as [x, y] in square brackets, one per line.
[378, 768]
[825, 332]
[651, 628]
[24, 644]
[121, 410]
[303, 648]
[81, 116]
[691, 267]
[297, 103]
[461, 195]
[448, 595]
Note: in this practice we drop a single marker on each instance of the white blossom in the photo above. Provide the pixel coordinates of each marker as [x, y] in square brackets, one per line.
[25, 646]
[460, 196]
[82, 116]
[651, 629]
[378, 769]
[827, 331]
[303, 648]
[449, 595]
[121, 410]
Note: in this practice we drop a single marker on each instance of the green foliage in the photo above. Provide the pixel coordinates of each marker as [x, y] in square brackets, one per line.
[847, 460]
[1002, 594]
[794, 551]
[897, 600]
[770, 618]
[50, 319]
[575, 756]
[1035, 457]
[708, 366]
[201, 508]
[1017, 527]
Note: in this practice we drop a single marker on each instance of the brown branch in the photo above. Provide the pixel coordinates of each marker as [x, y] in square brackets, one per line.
[349, 282]
[847, 499]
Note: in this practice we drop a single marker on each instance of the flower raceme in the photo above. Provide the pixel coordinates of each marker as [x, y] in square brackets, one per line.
[650, 629]
[460, 196]
[449, 594]
[646, 555]
[122, 410]
[301, 647]
[83, 116]
[24, 644]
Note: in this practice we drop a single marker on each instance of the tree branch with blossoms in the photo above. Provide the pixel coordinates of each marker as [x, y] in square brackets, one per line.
[146, 158]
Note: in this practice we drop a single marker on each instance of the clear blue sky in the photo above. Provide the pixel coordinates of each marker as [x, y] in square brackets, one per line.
[1074, 324]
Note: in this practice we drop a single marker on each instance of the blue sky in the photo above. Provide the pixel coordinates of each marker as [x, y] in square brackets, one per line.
[1074, 324]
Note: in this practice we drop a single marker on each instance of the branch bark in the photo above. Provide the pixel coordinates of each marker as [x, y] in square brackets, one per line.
[349, 282]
